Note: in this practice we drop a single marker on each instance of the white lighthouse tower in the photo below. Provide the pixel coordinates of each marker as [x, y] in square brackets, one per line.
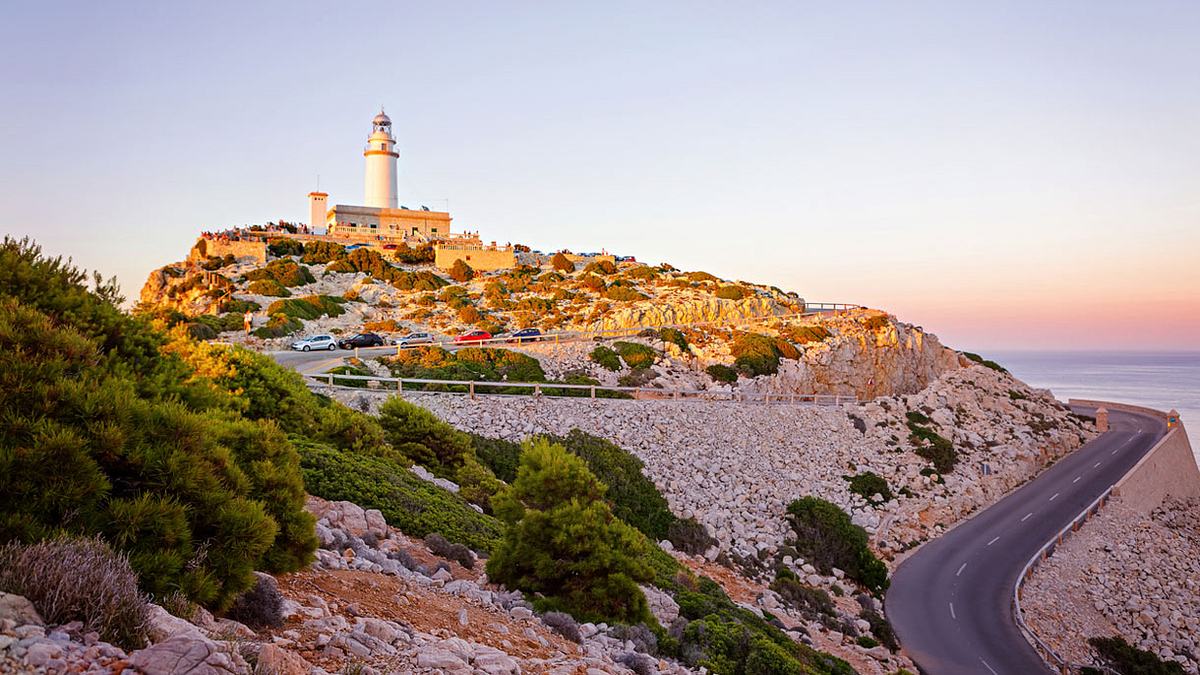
[381, 164]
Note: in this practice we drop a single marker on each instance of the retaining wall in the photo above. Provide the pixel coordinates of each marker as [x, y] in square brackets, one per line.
[1167, 470]
[215, 248]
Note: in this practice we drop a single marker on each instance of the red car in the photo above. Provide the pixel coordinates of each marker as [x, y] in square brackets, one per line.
[474, 336]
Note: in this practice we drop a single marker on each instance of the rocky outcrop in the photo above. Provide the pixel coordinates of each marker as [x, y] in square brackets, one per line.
[1126, 575]
[185, 288]
[672, 309]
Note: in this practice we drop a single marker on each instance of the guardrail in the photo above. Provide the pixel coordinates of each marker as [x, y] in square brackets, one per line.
[1051, 657]
[474, 388]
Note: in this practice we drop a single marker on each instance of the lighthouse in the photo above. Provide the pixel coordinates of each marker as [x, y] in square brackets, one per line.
[381, 164]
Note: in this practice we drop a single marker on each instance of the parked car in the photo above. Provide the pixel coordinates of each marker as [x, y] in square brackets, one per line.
[413, 339]
[312, 342]
[361, 340]
[473, 336]
[526, 335]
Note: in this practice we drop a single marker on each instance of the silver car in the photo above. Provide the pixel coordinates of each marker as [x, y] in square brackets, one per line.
[413, 339]
[308, 344]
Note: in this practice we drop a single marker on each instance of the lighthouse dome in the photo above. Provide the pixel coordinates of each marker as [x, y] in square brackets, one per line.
[382, 120]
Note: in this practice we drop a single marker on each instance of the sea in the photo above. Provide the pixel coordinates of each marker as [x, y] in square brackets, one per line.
[1160, 380]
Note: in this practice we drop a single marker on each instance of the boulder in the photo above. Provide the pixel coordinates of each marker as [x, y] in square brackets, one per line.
[184, 655]
[275, 660]
[19, 610]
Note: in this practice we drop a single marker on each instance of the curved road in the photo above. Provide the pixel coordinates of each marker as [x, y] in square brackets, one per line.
[950, 603]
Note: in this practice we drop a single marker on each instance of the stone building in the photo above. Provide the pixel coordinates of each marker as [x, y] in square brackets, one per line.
[381, 219]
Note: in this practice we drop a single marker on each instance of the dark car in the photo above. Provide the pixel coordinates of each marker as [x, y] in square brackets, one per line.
[526, 335]
[361, 340]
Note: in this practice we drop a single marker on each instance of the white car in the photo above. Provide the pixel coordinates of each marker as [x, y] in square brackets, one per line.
[315, 342]
[413, 339]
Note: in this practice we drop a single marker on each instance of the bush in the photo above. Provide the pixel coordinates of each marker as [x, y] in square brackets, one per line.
[868, 484]
[635, 354]
[317, 252]
[690, 536]
[414, 506]
[813, 604]
[285, 247]
[261, 606]
[421, 255]
[825, 537]
[722, 373]
[756, 354]
[633, 497]
[460, 554]
[423, 437]
[278, 326]
[564, 542]
[423, 280]
[308, 307]
[286, 272]
[269, 288]
[733, 292]
[606, 358]
[78, 580]
[603, 267]
[805, 334]
[563, 624]
[985, 363]
[700, 276]
[461, 271]
[881, 628]
[238, 306]
[931, 446]
[674, 336]
[501, 456]
[866, 642]
[561, 263]
[637, 377]
[623, 293]
[1118, 654]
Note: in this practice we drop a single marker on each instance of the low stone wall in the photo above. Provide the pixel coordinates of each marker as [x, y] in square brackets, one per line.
[480, 259]
[215, 248]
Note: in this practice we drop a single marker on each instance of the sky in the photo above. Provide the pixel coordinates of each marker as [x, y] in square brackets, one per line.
[1017, 175]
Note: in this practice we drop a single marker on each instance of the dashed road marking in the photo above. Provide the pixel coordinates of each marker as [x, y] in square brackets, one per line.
[1054, 497]
[952, 615]
[1027, 516]
[992, 541]
[988, 665]
[960, 569]
[1077, 479]
[1096, 465]
[1115, 451]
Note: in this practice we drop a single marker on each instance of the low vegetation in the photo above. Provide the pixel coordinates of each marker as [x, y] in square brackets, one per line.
[286, 272]
[1116, 653]
[868, 484]
[722, 373]
[756, 354]
[985, 363]
[308, 307]
[824, 535]
[636, 354]
[930, 445]
[606, 358]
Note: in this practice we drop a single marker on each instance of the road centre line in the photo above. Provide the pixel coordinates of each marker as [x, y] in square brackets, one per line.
[1053, 498]
[989, 666]
[1027, 515]
[1076, 479]
[992, 541]
[960, 569]
[952, 615]
[1097, 464]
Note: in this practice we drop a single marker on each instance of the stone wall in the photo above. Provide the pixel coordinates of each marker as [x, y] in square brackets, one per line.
[1168, 469]
[216, 248]
[482, 259]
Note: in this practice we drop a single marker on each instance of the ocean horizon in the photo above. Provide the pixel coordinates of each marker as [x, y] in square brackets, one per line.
[1158, 379]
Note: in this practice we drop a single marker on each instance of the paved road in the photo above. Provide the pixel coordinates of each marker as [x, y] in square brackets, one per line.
[320, 361]
[950, 603]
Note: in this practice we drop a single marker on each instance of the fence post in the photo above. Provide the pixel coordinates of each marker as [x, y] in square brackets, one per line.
[471, 387]
[537, 390]
[399, 384]
[331, 379]
[356, 353]
[593, 390]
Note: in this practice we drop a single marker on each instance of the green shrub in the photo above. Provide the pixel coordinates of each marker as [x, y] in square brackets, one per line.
[985, 363]
[78, 580]
[733, 292]
[423, 437]
[423, 254]
[564, 542]
[602, 267]
[561, 263]
[259, 607]
[201, 331]
[238, 306]
[145, 448]
[222, 323]
[438, 546]
[422, 280]
[212, 264]
[875, 322]
[623, 293]
[868, 484]
[287, 272]
[461, 272]
[825, 537]
[317, 252]
[805, 334]
[866, 642]
[755, 354]
[349, 370]
[637, 377]
[674, 336]
[285, 247]
[308, 307]
[269, 288]
[813, 604]
[931, 446]
[1118, 654]
[278, 326]
[881, 628]
[700, 276]
[689, 536]
[642, 272]
[722, 373]
[606, 358]
[416, 507]
[633, 497]
[499, 455]
[635, 354]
